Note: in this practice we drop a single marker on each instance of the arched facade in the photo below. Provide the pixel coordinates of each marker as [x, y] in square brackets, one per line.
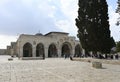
[27, 50]
[66, 49]
[40, 50]
[52, 50]
[53, 44]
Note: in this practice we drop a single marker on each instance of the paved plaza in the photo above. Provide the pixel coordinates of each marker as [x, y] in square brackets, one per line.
[55, 70]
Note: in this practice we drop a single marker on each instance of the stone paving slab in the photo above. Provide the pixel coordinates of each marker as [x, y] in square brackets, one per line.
[56, 70]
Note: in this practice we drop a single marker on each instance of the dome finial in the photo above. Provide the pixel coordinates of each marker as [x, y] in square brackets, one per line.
[39, 33]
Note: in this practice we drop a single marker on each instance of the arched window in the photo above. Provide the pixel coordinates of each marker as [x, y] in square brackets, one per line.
[66, 49]
[52, 51]
[27, 50]
[40, 50]
[77, 51]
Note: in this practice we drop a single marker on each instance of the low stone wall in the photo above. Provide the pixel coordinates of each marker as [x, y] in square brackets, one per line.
[104, 61]
[2, 51]
[32, 58]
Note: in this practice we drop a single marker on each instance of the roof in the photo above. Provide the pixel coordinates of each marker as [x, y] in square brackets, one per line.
[56, 33]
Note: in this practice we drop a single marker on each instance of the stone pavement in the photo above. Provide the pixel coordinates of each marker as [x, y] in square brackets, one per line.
[56, 70]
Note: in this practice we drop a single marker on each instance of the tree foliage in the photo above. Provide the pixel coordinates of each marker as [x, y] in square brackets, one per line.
[93, 26]
[118, 11]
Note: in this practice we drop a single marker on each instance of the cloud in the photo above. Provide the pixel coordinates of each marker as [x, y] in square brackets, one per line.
[69, 9]
[63, 24]
[26, 17]
[6, 40]
[19, 16]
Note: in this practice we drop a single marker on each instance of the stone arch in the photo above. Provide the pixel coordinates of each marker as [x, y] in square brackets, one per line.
[40, 50]
[66, 49]
[78, 51]
[52, 50]
[27, 50]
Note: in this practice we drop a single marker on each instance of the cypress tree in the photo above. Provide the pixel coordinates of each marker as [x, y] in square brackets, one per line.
[118, 11]
[81, 23]
[93, 26]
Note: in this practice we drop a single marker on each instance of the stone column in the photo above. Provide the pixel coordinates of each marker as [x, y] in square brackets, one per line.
[73, 52]
[34, 51]
[20, 52]
[20, 49]
[46, 52]
[59, 52]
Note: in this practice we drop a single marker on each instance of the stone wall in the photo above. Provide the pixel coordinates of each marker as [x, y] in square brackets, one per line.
[2, 51]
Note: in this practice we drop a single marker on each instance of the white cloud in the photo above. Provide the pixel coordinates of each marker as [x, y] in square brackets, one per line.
[6, 40]
[47, 9]
[67, 26]
[69, 9]
[21, 15]
[63, 25]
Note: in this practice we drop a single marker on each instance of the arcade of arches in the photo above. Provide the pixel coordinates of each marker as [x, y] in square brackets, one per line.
[66, 49]
[27, 50]
[52, 51]
[52, 44]
[39, 50]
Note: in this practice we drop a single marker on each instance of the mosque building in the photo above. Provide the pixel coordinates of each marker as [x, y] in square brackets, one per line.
[52, 44]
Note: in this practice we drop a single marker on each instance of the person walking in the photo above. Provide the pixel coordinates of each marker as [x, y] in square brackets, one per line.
[71, 57]
[65, 56]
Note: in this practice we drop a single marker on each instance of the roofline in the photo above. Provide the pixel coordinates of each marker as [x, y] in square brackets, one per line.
[57, 32]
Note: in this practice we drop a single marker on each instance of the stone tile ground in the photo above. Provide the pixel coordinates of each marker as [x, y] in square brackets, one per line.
[55, 70]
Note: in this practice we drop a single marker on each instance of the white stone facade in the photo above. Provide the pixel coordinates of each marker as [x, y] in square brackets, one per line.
[53, 44]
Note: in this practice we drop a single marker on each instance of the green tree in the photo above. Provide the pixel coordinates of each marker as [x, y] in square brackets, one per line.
[118, 11]
[81, 23]
[93, 26]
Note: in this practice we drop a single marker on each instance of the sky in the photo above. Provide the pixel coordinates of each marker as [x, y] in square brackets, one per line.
[33, 16]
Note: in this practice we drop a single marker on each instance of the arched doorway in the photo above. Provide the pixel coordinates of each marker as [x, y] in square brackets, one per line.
[77, 51]
[40, 50]
[27, 50]
[66, 49]
[52, 51]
